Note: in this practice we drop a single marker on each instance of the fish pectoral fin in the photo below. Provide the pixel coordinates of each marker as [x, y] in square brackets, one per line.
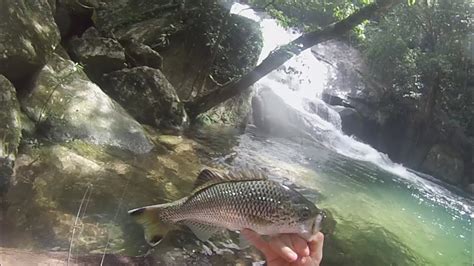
[202, 231]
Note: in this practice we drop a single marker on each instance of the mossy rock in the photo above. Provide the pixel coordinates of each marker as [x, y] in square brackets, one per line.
[66, 105]
[29, 36]
[10, 132]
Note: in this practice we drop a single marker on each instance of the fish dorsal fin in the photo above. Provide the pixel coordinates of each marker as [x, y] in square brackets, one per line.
[247, 174]
[207, 176]
[210, 177]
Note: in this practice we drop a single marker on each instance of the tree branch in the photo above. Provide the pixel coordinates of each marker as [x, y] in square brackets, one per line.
[284, 53]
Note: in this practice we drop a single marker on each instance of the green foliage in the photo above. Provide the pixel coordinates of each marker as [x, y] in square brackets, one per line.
[419, 47]
[306, 15]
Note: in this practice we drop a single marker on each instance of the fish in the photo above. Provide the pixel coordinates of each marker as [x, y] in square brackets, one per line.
[233, 201]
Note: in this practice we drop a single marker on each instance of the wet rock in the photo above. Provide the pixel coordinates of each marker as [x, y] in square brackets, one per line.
[470, 189]
[183, 35]
[352, 122]
[138, 54]
[148, 96]
[170, 141]
[10, 133]
[237, 54]
[97, 54]
[74, 17]
[318, 107]
[81, 191]
[66, 105]
[334, 100]
[273, 116]
[445, 162]
[145, 21]
[233, 112]
[29, 36]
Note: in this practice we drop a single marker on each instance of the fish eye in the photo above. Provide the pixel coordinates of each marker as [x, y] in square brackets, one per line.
[305, 212]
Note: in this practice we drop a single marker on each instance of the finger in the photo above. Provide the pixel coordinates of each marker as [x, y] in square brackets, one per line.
[300, 245]
[316, 247]
[282, 249]
[257, 241]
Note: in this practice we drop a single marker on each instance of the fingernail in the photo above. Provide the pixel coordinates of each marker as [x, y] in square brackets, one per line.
[291, 254]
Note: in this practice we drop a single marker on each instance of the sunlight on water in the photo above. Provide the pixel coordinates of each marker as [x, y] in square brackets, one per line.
[307, 85]
[426, 217]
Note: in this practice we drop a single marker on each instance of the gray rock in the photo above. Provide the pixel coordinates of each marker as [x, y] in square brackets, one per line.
[28, 36]
[470, 189]
[73, 17]
[10, 131]
[445, 163]
[99, 55]
[352, 122]
[57, 177]
[138, 54]
[122, 18]
[187, 35]
[148, 96]
[66, 105]
[273, 116]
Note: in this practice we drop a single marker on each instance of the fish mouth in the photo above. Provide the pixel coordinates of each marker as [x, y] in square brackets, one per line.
[317, 222]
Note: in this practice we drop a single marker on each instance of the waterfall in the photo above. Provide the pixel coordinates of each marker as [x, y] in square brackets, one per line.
[300, 83]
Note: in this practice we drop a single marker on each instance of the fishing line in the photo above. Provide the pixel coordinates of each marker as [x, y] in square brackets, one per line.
[88, 190]
[119, 206]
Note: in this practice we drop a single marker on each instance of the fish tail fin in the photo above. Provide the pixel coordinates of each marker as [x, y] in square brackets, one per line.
[149, 217]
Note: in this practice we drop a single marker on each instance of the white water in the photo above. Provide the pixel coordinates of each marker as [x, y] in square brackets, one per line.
[305, 84]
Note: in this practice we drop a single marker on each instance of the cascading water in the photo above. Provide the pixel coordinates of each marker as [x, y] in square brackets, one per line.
[300, 83]
[368, 192]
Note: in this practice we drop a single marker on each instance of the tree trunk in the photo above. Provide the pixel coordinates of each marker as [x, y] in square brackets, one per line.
[283, 54]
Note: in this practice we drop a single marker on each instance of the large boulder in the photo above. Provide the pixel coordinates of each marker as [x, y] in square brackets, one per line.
[445, 163]
[139, 54]
[66, 105]
[272, 115]
[185, 38]
[74, 17]
[97, 54]
[148, 96]
[28, 36]
[57, 180]
[10, 133]
[352, 122]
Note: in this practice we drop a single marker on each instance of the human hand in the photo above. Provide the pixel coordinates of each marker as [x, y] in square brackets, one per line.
[288, 249]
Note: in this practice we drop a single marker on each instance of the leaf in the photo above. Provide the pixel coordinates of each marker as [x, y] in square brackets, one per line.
[411, 2]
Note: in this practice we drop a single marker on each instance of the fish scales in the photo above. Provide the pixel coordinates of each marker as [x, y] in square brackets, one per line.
[234, 205]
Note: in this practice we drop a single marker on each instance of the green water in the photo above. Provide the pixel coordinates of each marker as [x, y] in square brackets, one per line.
[373, 207]
[73, 198]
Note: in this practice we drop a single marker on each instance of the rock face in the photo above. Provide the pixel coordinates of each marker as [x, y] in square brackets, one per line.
[99, 55]
[66, 105]
[439, 147]
[57, 178]
[444, 162]
[275, 117]
[351, 121]
[74, 17]
[10, 133]
[139, 54]
[148, 96]
[185, 38]
[28, 36]
[431, 143]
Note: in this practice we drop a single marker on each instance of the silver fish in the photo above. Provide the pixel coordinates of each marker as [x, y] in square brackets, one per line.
[233, 201]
